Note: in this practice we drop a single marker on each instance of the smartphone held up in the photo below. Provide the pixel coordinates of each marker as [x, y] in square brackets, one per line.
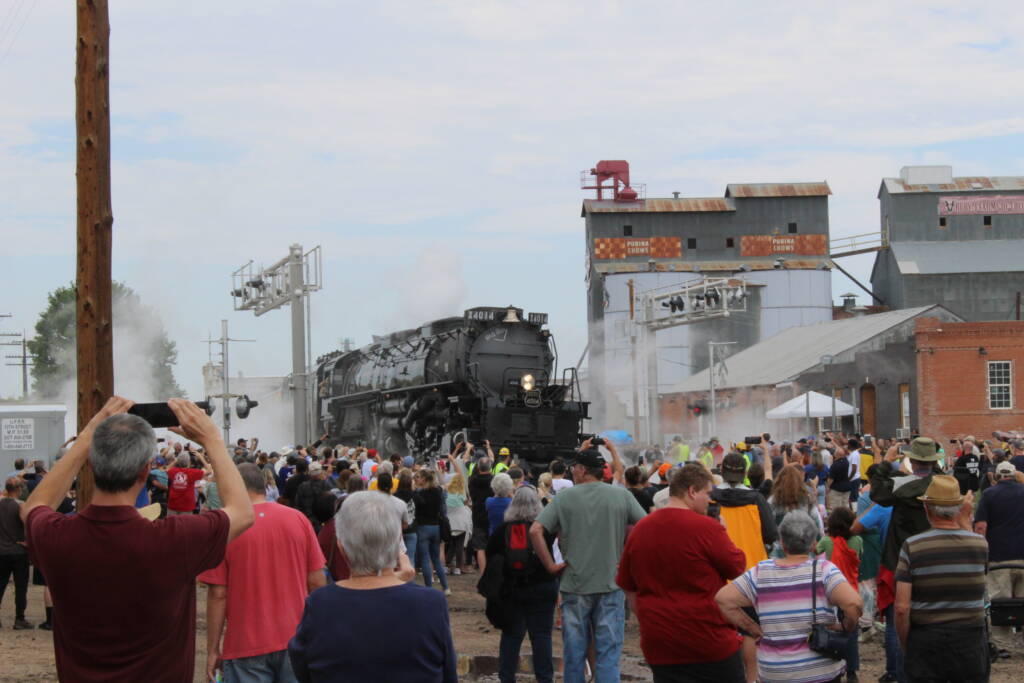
[160, 414]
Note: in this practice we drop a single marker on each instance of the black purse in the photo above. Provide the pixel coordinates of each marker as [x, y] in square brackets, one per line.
[823, 640]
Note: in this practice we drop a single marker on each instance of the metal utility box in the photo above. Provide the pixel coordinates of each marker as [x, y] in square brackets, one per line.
[30, 431]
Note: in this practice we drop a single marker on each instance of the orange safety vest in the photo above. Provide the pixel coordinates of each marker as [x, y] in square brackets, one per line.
[743, 525]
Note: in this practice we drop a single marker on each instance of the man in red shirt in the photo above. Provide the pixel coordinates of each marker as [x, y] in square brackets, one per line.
[181, 481]
[682, 632]
[123, 587]
[261, 615]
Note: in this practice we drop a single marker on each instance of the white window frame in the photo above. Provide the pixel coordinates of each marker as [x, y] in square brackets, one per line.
[989, 384]
[904, 397]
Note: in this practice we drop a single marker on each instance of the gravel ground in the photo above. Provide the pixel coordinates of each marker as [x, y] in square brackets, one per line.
[28, 655]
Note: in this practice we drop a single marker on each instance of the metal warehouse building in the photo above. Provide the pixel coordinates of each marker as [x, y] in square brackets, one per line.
[954, 241]
[773, 236]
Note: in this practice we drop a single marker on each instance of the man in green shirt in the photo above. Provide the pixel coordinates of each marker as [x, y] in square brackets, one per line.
[590, 520]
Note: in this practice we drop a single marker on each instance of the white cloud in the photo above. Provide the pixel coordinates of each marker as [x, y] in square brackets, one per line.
[383, 131]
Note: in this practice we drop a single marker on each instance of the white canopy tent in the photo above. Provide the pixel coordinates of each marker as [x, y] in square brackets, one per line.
[810, 404]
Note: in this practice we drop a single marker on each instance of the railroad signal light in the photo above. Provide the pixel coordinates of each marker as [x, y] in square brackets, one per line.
[243, 405]
[675, 304]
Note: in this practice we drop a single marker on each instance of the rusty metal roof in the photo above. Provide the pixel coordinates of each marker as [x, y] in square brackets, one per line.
[681, 205]
[778, 190]
[701, 266]
[964, 184]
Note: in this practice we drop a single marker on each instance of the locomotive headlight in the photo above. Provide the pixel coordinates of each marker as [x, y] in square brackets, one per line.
[527, 382]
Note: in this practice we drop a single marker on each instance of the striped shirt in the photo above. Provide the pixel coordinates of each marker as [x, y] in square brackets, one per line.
[782, 597]
[946, 569]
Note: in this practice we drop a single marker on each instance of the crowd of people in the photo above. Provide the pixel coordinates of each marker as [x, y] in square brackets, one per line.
[756, 561]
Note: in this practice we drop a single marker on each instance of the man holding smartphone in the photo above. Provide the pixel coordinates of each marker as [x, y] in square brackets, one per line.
[99, 562]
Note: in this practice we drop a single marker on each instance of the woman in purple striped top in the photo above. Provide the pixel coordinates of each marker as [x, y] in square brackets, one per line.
[780, 592]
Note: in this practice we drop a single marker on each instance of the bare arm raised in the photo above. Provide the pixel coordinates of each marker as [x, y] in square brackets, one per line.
[197, 426]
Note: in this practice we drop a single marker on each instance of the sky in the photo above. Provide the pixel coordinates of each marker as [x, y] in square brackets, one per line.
[433, 149]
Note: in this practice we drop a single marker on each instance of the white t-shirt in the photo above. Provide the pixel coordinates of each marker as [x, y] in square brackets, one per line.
[854, 459]
[826, 457]
[559, 484]
[402, 508]
[367, 470]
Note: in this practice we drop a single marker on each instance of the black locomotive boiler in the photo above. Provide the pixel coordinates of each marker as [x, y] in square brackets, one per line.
[490, 374]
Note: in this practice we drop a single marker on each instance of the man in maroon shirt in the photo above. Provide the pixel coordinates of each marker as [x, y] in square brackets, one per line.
[682, 632]
[124, 587]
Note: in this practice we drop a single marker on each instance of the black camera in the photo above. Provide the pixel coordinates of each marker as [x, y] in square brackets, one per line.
[752, 440]
[596, 441]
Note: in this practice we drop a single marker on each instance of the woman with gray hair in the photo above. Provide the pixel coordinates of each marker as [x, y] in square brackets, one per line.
[779, 591]
[496, 505]
[531, 591]
[375, 604]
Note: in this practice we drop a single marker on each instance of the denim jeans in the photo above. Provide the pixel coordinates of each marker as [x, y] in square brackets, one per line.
[598, 615]
[893, 651]
[428, 538]
[852, 648]
[273, 667]
[533, 611]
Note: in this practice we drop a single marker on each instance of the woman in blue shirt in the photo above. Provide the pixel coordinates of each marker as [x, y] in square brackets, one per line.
[375, 605]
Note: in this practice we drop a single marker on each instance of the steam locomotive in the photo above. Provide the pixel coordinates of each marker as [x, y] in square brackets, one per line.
[489, 374]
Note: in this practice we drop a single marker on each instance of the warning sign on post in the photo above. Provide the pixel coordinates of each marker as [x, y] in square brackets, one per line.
[18, 434]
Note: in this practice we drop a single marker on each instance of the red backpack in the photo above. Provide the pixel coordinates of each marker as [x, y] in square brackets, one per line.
[520, 559]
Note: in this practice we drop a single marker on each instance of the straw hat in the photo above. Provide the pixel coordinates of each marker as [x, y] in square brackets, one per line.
[943, 490]
[150, 512]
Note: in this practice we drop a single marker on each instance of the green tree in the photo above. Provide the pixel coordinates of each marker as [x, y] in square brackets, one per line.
[142, 350]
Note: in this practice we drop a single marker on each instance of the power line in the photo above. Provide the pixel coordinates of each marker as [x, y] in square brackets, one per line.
[17, 33]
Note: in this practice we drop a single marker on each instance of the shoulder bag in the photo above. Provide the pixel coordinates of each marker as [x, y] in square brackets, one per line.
[823, 640]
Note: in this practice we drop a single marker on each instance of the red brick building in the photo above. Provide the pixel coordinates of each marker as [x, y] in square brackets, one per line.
[969, 377]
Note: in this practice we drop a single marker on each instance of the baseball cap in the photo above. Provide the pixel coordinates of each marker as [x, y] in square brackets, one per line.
[1006, 468]
[504, 451]
[589, 458]
[315, 467]
[663, 470]
[408, 461]
[734, 468]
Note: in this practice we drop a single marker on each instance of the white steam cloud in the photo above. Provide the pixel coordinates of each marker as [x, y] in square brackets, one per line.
[433, 288]
[138, 336]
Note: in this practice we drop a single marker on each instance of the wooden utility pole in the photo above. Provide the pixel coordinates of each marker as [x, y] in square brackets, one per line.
[95, 219]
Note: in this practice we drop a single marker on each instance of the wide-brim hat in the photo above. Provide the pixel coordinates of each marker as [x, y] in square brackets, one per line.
[924, 449]
[943, 490]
